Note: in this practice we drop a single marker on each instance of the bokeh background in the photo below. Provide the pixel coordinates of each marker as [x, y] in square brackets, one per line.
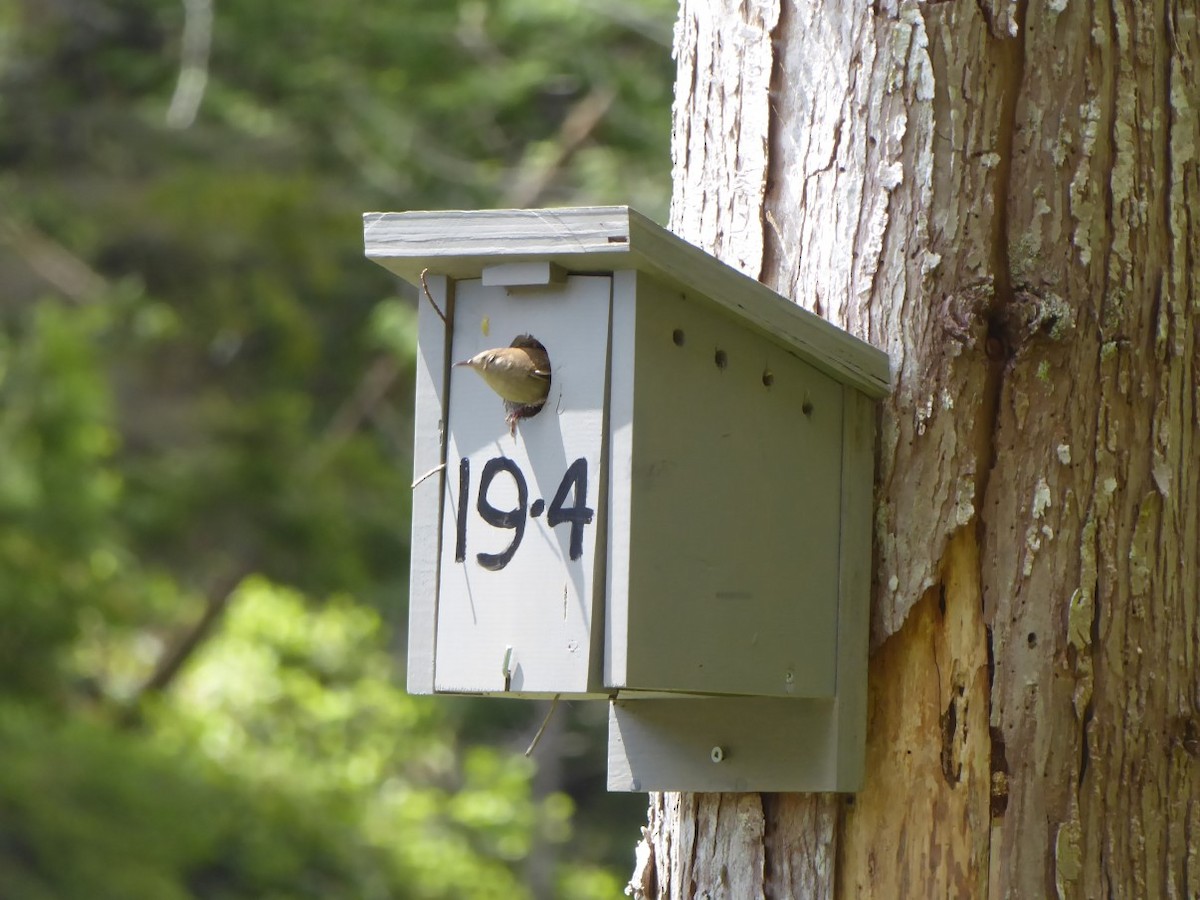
[205, 440]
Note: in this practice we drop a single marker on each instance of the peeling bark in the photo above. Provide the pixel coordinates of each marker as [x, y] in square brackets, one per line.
[1001, 194]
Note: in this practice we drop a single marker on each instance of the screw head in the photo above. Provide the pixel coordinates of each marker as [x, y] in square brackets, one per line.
[717, 754]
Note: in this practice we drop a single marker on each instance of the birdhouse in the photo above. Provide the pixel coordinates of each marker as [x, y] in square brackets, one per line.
[675, 518]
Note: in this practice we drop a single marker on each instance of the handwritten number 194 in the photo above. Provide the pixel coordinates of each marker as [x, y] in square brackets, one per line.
[577, 515]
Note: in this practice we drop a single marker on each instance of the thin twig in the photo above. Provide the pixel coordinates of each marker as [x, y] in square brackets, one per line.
[354, 410]
[428, 474]
[546, 721]
[581, 121]
[186, 643]
[193, 65]
[53, 262]
[429, 296]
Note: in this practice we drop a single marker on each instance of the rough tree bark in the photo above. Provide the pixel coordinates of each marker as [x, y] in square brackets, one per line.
[1005, 196]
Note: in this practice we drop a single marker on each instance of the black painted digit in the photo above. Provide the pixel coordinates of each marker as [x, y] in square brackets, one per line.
[513, 518]
[579, 514]
[464, 488]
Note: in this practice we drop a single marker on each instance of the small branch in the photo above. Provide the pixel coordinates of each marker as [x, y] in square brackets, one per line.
[429, 296]
[581, 120]
[193, 63]
[546, 721]
[55, 264]
[354, 410]
[429, 474]
[175, 657]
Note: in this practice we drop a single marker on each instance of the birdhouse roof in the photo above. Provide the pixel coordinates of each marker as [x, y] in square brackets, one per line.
[460, 244]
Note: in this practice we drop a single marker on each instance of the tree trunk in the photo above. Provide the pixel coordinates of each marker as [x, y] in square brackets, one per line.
[1005, 196]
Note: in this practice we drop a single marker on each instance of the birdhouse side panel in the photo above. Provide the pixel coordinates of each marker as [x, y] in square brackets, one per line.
[734, 509]
[622, 377]
[854, 607]
[517, 608]
[428, 455]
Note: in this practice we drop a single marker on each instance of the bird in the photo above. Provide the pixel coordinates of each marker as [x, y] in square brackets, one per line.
[518, 373]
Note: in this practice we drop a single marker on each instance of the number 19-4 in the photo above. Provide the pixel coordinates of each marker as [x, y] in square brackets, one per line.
[577, 515]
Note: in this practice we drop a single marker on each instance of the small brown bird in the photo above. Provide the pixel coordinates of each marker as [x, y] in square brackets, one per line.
[519, 373]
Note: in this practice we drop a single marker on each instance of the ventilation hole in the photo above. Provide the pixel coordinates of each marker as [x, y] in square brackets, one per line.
[721, 359]
[1031, 639]
[677, 337]
[807, 407]
[768, 378]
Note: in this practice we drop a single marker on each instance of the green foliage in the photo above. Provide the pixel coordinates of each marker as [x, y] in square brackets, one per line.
[57, 489]
[94, 813]
[301, 701]
[201, 379]
[287, 764]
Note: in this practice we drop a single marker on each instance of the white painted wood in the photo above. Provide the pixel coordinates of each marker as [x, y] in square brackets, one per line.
[734, 499]
[764, 745]
[604, 239]
[542, 604]
[620, 469]
[432, 344]
[460, 242]
[768, 744]
[835, 352]
[523, 274]
[602, 494]
[729, 551]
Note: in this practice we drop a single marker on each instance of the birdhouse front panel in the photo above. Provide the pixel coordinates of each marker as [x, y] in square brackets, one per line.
[523, 509]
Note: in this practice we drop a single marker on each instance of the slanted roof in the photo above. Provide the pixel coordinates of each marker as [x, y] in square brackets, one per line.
[460, 244]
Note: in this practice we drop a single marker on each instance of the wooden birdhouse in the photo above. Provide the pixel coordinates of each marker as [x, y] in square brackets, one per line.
[682, 528]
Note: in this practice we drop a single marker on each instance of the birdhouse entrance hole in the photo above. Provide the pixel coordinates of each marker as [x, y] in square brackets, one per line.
[519, 374]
